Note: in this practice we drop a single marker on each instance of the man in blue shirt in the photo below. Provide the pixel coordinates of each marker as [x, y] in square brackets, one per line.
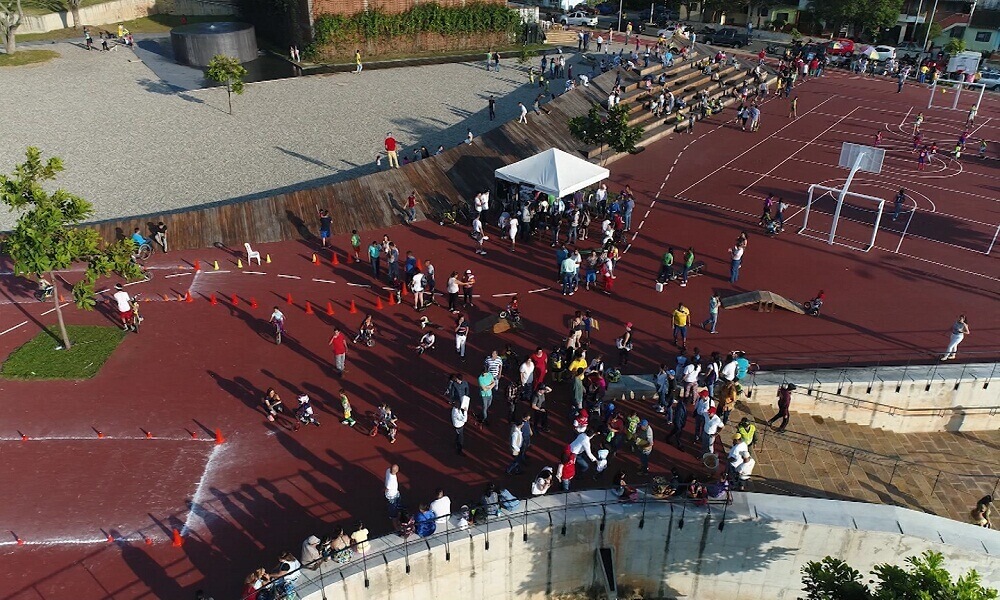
[138, 239]
[742, 366]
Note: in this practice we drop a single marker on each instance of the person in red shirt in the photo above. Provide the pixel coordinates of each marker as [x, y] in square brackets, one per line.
[541, 361]
[390, 150]
[339, 343]
[761, 55]
[411, 207]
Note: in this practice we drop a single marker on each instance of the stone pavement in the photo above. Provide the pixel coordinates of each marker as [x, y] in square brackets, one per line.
[941, 473]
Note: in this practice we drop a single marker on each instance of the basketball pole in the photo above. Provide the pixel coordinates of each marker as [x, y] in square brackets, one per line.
[843, 194]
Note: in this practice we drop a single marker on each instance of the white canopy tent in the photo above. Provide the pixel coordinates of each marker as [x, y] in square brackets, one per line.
[554, 172]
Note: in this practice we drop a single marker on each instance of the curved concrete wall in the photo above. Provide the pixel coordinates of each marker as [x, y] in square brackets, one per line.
[116, 11]
[758, 554]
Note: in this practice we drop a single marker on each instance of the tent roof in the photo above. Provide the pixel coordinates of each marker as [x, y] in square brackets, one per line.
[554, 172]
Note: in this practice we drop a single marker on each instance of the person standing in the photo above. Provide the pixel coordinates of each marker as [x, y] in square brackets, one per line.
[526, 375]
[681, 316]
[391, 489]
[390, 149]
[793, 108]
[160, 235]
[392, 262]
[666, 267]
[345, 405]
[539, 413]
[678, 418]
[493, 107]
[735, 260]
[624, 344]
[897, 205]
[468, 281]
[713, 425]
[411, 207]
[713, 313]
[958, 332]
[629, 207]
[459, 416]
[461, 335]
[540, 359]
[524, 113]
[417, 285]
[357, 61]
[644, 444]
[339, 343]
[784, 401]
[325, 224]
[374, 252]
[452, 287]
[688, 264]
[487, 383]
[520, 441]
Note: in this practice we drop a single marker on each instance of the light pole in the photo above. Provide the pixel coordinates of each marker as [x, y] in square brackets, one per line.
[927, 35]
[621, 4]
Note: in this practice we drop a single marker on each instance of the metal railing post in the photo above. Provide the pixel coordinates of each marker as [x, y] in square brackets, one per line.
[364, 565]
[565, 512]
[488, 531]
[447, 538]
[934, 487]
[524, 526]
[406, 554]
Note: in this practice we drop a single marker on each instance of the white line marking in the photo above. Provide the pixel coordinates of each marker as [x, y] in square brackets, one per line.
[358, 284]
[177, 275]
[52, 310]
[646, 216]
[94, 438]
[202, 488]
[544, 289]
[255, 272]
[504, 295]
[211, 272]
[289, 276]
[21, 324]
[324, 280]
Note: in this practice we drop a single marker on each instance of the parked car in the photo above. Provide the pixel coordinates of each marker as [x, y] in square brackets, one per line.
[661, 15]
[840, 47]
[577, 18]
[671, 30]
[727, 36]
[607, 8]
[991, 79]
[590, 10]
[885, 53]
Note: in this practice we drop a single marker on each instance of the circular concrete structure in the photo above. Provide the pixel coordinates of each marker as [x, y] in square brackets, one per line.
[196, 44]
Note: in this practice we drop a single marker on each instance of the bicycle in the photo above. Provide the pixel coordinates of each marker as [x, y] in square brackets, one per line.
[136, 318]
[279, 330]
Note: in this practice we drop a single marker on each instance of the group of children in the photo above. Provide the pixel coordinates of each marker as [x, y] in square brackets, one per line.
[926, 151]
[304, 414]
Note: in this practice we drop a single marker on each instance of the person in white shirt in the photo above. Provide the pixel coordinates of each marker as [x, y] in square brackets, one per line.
[391, 489]
[124, 305]
[478, 204]
[512, 232]
[459, 416]
[728, 372]
[736, 258]
[608, 230]
[542, 483]
[441, 506]
[701, 406]
[524, 113]
[713, 425]
[581, 448]
[745, 470]
[737, 451]
[527, 376]
[691, 372]
[417, 285]
[584, 80]
[601, 195]
[426, 342]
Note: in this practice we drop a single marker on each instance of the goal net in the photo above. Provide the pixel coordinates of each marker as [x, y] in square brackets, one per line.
[955, 95]
[854, 226]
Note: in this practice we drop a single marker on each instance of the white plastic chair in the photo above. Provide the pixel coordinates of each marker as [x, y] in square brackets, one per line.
[251, 254]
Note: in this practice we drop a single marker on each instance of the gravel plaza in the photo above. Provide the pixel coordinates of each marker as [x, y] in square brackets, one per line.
[133, 144]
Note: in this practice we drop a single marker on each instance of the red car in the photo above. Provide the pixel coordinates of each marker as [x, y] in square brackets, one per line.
[840, 47]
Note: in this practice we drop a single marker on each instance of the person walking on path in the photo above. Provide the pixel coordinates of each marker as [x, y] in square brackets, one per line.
[390, 150]
[325, 224]
[411, 207]
[345, 405]
[713, 313]
[356, 245]
[524, 113]
[793, 108]
[487, 383]
[461, 335]
[468, 281]
[459, 416]
[357, 61]
[681, 316]
[897, 205]
[624, 344]
[339, 343]
[686, 267]
[644, 444]
[391, 489]
[735, 260]
[678, 419]
[493, 107]
[457, 387]
[374, 252]
[958, 332]
[784, 402]
[521, 433]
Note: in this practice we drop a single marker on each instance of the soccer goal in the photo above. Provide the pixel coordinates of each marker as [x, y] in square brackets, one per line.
[860, 210]
[955, 95]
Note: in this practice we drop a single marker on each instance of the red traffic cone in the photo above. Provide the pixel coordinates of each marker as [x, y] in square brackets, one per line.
[378, 302]
[392, 299]
[212, 300]
[329, 309]
[194, 435]
[148, 541]
[111, 540]
[149, 435]
[24, 437]
[235, 300]
[178, 540]
[253, 302]
[334, 261]
[100, 435]
[354, 309]
[20, 542]
[289, 299]
[188, 298]
[402, 290]
[315, 259]
[309, 308]
[420, 265]
[197, 265]
[351, 259]
[218, 437]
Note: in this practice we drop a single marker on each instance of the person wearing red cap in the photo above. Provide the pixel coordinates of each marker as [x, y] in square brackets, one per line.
[624, 344]
[701, 406]
[713, 425]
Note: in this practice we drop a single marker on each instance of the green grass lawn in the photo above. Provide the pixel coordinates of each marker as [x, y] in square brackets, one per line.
[27, 57]
[150, 24]
[43, 358]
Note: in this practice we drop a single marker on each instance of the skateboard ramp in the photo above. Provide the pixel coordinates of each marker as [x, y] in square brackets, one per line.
[765, 301]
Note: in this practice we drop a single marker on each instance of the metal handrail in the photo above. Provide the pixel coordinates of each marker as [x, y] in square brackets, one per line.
[313, 571]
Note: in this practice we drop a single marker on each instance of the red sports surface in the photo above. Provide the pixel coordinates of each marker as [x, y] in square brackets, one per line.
[196, 367]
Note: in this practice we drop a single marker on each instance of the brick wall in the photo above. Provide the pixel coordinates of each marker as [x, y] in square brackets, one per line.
[349, 7]
[407, 45]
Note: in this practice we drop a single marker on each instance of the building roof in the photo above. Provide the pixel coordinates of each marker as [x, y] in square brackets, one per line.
[986, 19]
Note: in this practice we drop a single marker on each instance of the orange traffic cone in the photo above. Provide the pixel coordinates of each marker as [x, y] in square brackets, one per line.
[403, 290]
[420, 265]
[289, 299]
[111, 540]
[148, 540]
[149, 435]
[218, 437]
[378, 302]
[354, 309]
[178, 541]
[188, 298]
[315, 259]
[100, 435]
[334, 261]
[351, 259]
[392, 299]
[329, 309]
[309, 308]
[253, 302]
[197, 265]
[165, 298]
[235, 300]
[212, 300]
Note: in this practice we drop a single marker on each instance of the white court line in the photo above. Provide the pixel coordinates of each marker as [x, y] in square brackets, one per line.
[544, 289]
[52, 310]
[356, 284]
[176, 275]
[324, 280]
[504, 295]
[799, 149]
[213, 271]
[201, 490]
[289, 276]
[741, 154]
[254, 272]
[94, 438]
[21, 324]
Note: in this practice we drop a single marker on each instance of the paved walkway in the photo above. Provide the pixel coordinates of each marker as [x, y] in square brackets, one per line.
[940, 473]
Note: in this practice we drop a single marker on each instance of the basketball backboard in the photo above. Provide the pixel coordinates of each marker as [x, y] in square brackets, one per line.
[871, 157]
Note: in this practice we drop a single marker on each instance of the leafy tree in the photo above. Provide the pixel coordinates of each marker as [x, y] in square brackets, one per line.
[11, 15]
[925, 577]
[72, 6]
[871, 15]
[227, 70]
[47, 236]
[954, 46]
[611, 130]
[921, 32]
